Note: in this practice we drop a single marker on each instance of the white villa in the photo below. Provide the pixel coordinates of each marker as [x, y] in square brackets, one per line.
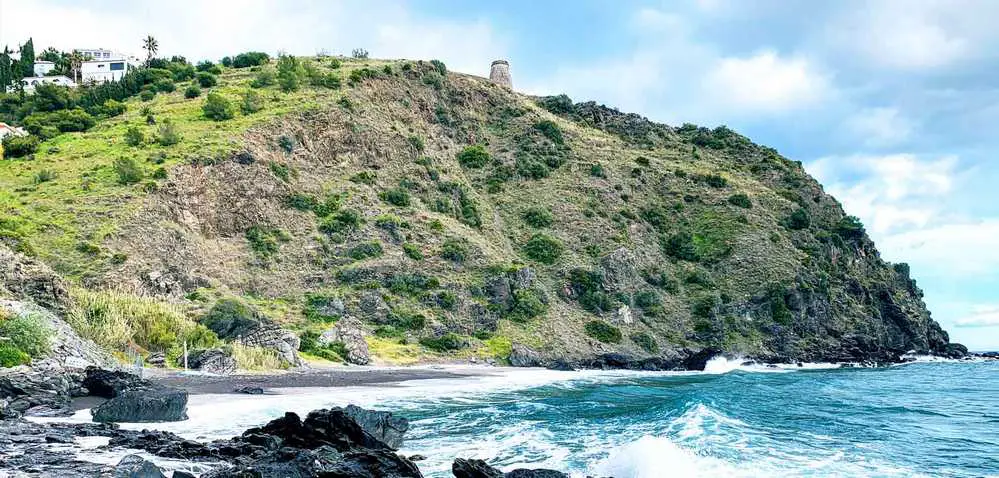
[29, 84]
[43, 68]
[105, 65]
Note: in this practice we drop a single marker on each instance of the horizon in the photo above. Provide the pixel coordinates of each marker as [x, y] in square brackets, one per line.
[890, 132]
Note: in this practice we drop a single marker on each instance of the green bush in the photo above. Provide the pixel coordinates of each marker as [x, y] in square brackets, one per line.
[44, 176]
[537, 216]
[265, 241]
[147, 95]
[159, 173]
[251, 102]
[527, 304]
[397, 197]
[342, 222]
[167, 134]
[446, 300]
[544, 248]
[597, 170]
[12, 357]
[412, 251]
[366, 250]
[850, 227]
[439, 67]
[474, 156]
[26, 333]
[335, 63]
[127, 170]
[19, 146]
[206, 80]
[217, 107]
[445, 343]
[681, 246]
[406, 319]
[209, 67]
[603, 331]
[289, 73]
[165, 86]
[799, 219]
[551, 131]
[112, 108]
[714, 180]
[364, 177]
[704, 306]
[301, 202]
[248, 59]
[740, 200]
[63, 120]
[410, 283]
[264, 78]
[134, 136]
[192, 91]
[334, 352]
[646, 342]
[455, 250]
[589, 290]
[231, 318]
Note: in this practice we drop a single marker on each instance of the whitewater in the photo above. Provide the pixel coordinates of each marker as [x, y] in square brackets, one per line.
[735, 419]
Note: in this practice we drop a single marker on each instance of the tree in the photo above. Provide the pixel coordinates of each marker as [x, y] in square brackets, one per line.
[6, 75]
[28, 58]
[75, 62]
[151, 46]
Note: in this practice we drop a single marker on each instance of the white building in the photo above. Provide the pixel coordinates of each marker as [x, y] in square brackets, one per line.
[43, 68]
[29, 84]
[8, 130]
[99, 53]
[101, 71]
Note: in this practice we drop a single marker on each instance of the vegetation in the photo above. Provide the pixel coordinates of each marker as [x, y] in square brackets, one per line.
[544, 248]
[474, 156]
[537, 216]
[22, 337]
[603, 331]
[217, 107]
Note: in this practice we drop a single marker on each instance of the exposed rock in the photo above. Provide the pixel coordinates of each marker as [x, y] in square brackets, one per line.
[135, 466]
[156, 359]
[26, 278]
[523, 356]
[372, 307]
[44, 387]
[213, 361]
[384, 426]
[697, 360]
[156, 404]
[110, 383]
[350, 333]
[272, 336]
[955, 351]
[619, 271]
[248, 390]
[623, 315]
[66, 348]
[472, 468]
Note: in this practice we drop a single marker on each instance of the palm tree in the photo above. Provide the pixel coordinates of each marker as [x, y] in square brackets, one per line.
[151, 46]
[75, 60]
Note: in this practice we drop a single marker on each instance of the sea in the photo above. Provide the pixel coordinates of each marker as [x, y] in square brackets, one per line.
[928, 418]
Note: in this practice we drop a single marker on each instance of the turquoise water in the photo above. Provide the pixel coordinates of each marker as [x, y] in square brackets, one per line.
[921, 419]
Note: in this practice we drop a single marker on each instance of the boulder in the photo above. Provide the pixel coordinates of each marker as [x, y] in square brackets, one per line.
[110, 383]
[248, 390]
[213, 361]
[473, 468]
[619, 270]
[955, 351]
[45, 387]
[697, 360]
[372, 307]
[155, 404]
[135, 466]
[272, 336]
[350, 333]
[384, 426]
[156, 359]
[28, 278]
[523, 356]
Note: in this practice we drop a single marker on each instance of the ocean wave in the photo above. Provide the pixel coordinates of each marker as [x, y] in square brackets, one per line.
[658, 457]
[722, 364]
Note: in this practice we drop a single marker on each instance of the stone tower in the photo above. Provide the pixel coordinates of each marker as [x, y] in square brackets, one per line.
[499, 73]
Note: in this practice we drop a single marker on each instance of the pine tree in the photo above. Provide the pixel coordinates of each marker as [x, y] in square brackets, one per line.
[28, 58]
[5, 73]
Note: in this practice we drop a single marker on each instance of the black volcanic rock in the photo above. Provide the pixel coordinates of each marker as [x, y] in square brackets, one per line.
[472, 468]
[155, 404]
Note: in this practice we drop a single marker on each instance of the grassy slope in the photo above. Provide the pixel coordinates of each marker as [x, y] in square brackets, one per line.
[745, 253]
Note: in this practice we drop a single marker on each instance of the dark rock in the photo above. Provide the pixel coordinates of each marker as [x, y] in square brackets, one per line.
[109, 383]
[45, 389]
[249, 390]
[134, 466]
[955, 351]
[473, 468]
[213, 361]
[155, 404]
[417, 458]
[523, 356]
[538, 473]
[182, 474]
[697, 360]
[156, 359]
[382, 425]
[30, 279]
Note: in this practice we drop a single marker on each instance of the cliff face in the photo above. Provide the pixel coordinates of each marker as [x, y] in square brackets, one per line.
[577, 231]
[451, 215]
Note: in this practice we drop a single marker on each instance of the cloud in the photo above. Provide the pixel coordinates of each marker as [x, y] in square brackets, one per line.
[879, 127]
[958, 249]
[982, 316]
[766, 82]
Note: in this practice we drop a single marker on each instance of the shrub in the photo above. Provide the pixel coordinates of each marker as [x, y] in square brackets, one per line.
[537, 216]
[416, 143]
[364, 177]
[26, 333]
[265, 77]
[44, 176]
[19, 146]
[334, 352]
[359, 53]
[551, 131]
[251, 102]
[329, 205]
[588, 287]
[265, 241]
[603, 331]
[365, 250]
[165, 86]
[217, 107]
[850, 227]
[168, 134]
[192, 91]
[704, 306]
[560, 105]
[681, 246]
[740, 200]
[301, 202]
[445, 343]
[206, 80]
[597, 171]
[147, 95]
[527, 304]
[112, 108]
[646, 299]
[159, 173]
[209, 67]
[62, 120]
[250, 58]
[412, 251]
[289, 72]
[410, 283]
[439, 67]
[128, 171]
[714, 180]
[455, 250]
[397, 197]
[646, 342]
[134, 136]
[335, 63]
[10, 356]
[230, 318]
[474, 156]
[544, 248]
[799, 219]
[342, 222]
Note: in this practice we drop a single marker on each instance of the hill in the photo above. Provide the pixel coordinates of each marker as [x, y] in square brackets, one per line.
[448, 217]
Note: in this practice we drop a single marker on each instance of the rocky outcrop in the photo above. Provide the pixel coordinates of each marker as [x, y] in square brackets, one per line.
[66, 347]
[132, 399]
[26, 278]
[45, 389]
[213, 361]
[135, 466]
[384, 426]
[272, 336]
[349, 332]
[523, 356]
[472, 468]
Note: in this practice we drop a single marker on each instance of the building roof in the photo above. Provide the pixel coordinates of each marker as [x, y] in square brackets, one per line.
[44, 62]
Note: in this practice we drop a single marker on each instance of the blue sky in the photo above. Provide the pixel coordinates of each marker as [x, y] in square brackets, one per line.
[893, 105]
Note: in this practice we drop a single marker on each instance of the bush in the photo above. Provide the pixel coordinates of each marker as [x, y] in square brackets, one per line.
[218, 108]
[251, 102]
[168, 134]
[740, 200]
[412, 251]
[799, 219]
[206, 80]
[342, 222]
[134, 136]
[474, 156]
[850, 227]
[455, 250]
[147, 95]
[603, 331]
[334, 352]
[289, 72]
[713, 180]
[364, 177]
[159, 173]
[439, 67]
[551, 131]
[265, 77]
[335, 63]
[359, 53]
[265, 241]
[19, 146]
[527, 304]
[410, 283]
[10, 356]
[192, 91]
[397, 197]
[445, 343]
[589, 289]
[112, 108]
[165, 86]
[248, 59]
[64, 121]
[544, 248]
[681, 246]
[366, 250]
[560, 105]
[537, 216]
[26, 333]
[231, 318]
[208, 67]
[646, 342]
[44, 176]
[128, 171]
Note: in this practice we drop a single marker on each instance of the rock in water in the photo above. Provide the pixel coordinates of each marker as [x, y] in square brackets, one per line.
[382, 425]
[134, 466]
[249, 390]
[156, 404]
[109, 383]
[472, 468]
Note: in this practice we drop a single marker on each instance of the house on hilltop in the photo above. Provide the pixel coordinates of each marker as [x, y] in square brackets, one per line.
[29, 84]
[104, 65]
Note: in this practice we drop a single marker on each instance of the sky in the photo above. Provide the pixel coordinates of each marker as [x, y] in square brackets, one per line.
[892, 105]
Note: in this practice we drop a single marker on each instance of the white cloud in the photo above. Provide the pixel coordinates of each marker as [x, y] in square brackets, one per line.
[879, 127]
[765, 82]
[982, 316]
[958, 249]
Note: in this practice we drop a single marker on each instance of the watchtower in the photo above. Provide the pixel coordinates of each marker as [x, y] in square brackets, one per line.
[499, 73]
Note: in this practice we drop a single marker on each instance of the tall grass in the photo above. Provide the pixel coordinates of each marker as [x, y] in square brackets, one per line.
[256, 358]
